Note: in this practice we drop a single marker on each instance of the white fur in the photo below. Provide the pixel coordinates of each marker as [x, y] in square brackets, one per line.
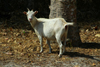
[51, 29]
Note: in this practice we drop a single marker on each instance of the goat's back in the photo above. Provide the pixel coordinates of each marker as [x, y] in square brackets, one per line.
[51, 27]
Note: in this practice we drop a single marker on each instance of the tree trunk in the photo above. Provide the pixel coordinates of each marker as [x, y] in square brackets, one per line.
[67, 10]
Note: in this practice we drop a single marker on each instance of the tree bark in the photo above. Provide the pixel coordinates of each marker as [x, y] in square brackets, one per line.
[67, 10]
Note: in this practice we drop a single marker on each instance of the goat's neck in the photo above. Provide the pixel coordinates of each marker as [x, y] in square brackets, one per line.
[34, 22]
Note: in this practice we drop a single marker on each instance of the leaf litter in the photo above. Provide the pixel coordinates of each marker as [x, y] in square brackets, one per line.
[22, 46]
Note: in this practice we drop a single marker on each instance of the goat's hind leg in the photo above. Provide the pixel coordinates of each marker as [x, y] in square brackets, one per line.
[61, 48]
[48, 42]
[64, 47]
[60, 45]
[65, 37]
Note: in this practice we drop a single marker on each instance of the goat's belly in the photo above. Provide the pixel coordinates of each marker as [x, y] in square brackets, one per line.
[49, 34]
[50, 37]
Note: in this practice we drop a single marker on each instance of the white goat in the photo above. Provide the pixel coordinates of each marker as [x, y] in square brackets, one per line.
[51, 29]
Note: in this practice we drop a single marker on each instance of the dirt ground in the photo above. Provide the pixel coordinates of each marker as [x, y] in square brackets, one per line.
[19, 47]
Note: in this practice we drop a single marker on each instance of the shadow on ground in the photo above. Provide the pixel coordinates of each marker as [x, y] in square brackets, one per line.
[90, 45]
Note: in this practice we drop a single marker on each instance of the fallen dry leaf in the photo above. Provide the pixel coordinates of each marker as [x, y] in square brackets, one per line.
[94, 64]
[76, 66]
[15, 42]
[10, 40]
[11, 28]
[9, 53]
[6, 38]
[17, 34]
[63, 58]
[4, 44]
[97, 35]
[38, 48]
[4, 34]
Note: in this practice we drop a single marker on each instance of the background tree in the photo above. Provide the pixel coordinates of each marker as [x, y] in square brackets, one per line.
[67, 10]
[87, 10]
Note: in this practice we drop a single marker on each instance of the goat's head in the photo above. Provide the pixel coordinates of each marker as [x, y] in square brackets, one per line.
[30, 14]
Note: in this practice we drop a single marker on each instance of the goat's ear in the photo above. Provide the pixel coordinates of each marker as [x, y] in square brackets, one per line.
[35, 12]
[24, 13]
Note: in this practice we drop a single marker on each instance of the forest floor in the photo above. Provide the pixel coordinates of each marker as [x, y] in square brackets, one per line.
[19, 47]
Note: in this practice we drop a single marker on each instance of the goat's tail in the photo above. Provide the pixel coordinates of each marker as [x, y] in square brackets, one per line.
[69, 24]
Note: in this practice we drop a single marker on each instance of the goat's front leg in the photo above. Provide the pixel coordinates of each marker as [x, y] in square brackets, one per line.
[48, 42]
[41, 43]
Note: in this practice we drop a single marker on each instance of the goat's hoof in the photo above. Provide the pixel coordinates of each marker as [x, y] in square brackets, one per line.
[60, 56]
[64, 52]
[41, 51]
[50, 51]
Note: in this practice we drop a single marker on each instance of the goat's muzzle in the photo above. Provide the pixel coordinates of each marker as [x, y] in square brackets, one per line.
[30, 19]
